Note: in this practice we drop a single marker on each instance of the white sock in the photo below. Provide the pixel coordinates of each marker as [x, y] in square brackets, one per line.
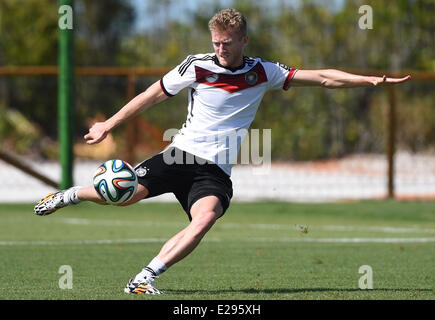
[70, 196]
[154, 268]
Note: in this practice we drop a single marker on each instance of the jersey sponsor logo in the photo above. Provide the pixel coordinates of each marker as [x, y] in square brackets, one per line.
[232, 82]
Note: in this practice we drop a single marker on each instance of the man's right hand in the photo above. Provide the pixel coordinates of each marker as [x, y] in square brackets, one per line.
[97, 133]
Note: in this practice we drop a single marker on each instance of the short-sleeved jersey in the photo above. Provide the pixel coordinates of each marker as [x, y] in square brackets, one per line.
[222, 103]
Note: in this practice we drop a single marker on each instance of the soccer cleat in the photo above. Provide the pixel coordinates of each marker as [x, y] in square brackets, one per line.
[53, 201]
[143, 285]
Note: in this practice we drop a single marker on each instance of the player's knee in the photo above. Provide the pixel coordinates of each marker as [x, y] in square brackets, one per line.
[201, 223]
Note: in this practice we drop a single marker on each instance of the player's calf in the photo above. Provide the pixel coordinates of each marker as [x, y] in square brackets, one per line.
[141, 193]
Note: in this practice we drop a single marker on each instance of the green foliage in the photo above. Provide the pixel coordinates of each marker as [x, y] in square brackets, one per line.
[28, 32]
[16, 131]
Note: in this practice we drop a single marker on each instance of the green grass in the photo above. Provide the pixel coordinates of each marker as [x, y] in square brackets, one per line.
[254, 252]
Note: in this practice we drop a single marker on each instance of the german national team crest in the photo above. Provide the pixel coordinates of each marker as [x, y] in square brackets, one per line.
[141, 171]
[251, 78]
[212, 78]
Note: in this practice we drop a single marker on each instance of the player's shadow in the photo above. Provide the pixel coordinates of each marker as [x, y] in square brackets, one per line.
[292, 290]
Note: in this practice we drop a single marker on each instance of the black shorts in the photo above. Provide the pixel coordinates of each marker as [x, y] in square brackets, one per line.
[189, 178]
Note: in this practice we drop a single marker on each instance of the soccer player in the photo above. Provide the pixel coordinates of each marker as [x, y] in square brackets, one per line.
[224, 91]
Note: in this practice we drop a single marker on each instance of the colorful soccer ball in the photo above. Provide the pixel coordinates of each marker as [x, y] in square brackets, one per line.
[115, 181]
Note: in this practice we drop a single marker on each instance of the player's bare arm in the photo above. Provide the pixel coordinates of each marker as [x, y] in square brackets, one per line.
[332, 79]
[153, 95]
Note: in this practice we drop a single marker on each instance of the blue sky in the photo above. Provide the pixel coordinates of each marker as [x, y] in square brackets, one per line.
[180, 10]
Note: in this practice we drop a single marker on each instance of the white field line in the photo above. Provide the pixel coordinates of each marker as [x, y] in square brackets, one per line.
[250, 240]
[347, 240]
[385, 229]
[79, 242]
[303, 238]
[258, 226]
[119, 223]
[126, 223]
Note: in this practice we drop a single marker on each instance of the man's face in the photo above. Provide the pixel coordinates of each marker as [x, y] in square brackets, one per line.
[228, 46]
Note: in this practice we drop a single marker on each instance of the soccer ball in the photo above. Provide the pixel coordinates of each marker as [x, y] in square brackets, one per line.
[115, 181]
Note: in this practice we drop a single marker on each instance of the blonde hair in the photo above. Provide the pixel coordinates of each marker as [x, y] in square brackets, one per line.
[229, 19]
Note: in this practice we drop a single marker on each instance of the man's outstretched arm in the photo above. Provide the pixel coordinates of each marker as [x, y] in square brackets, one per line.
[331, 78]
[153, 95]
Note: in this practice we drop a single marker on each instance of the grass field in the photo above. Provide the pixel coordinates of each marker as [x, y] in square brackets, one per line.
[256, 251]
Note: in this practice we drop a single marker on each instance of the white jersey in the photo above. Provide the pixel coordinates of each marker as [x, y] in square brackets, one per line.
[222, 103]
